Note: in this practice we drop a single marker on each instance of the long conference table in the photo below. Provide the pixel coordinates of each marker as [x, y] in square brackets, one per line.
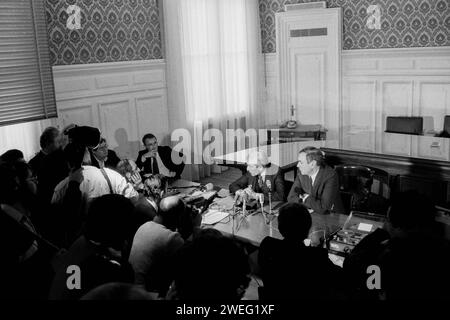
[253, 228]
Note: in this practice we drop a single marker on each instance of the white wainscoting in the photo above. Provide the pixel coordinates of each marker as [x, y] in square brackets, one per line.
[378, 83]
[125, 100]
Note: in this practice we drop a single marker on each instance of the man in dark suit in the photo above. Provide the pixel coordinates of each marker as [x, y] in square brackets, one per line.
[102, 157]
[261, 177]
[291, 270]
[49, 142]
[159, 159]
[49, 165]
[317, 185]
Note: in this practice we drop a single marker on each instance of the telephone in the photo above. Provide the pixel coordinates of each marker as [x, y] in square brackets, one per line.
[291, 124]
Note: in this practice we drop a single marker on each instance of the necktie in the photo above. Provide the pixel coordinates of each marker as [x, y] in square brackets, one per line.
[154, 165]
[260, 183]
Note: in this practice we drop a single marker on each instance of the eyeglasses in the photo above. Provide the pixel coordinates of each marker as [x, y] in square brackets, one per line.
[102, 144]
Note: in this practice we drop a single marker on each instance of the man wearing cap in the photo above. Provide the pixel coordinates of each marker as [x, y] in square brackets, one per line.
[262, 177]
[317, 185]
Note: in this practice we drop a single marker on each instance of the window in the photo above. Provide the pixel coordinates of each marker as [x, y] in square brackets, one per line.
[221, 55]
[26, 80]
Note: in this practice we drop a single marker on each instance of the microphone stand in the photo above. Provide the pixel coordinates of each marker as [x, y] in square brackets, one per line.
[270, 203]
[269, 186]
[244, 215]
[261, 202]
[233, 218]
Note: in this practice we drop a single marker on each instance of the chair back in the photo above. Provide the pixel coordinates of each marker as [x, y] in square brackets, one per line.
[363, 188]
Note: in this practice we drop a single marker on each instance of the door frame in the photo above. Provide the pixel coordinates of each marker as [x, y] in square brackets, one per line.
[283, 21]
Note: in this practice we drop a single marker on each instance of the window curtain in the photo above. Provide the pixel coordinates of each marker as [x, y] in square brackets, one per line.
[26, 80]
[214, 68]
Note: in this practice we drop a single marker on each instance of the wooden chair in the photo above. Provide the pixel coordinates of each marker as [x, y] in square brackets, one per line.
[358, 190]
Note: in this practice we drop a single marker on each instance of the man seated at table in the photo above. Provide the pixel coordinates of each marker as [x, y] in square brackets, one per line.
[261, 178]
[317, 185]
[159, 159]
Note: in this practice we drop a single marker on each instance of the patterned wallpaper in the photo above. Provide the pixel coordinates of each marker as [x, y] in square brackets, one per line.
[404, 23]
[112, 30]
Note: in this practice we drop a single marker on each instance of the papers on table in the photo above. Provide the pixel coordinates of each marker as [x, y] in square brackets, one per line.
[224, 203]
[214, 216]
[223, 193]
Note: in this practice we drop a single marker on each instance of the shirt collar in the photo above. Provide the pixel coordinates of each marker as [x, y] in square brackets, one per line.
[153, 203]
[313, 177]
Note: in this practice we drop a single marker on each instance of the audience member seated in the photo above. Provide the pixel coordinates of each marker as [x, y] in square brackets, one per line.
[102, 157]
[291, 270]
[159, 159]
[317, 185]
[28, 194]
[12, 156]
[414, 260]
[154, 246]
[101, 252]
[25, 269]
[211, 268]
[261, 178]
[118, 292]
[49, 164]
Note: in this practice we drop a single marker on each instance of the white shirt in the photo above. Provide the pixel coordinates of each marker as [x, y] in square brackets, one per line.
[161, 167]
[95, 185]
[313, 177]
[153, 204]
[263, 175]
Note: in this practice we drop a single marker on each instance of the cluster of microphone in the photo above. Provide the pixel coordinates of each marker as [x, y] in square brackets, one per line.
[245, 196]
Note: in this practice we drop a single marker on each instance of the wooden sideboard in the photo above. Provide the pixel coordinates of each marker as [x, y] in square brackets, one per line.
[300, 133]
[430, 177]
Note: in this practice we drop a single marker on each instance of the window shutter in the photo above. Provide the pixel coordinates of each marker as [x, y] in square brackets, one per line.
[26, 79]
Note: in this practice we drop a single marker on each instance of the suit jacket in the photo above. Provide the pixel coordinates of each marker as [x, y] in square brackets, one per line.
[323, 195]
[37, 161]
[276, 181]
[165, 153]
[290, 270]
[53, 168]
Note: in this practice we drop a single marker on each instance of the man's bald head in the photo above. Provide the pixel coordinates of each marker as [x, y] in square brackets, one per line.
[170, 211]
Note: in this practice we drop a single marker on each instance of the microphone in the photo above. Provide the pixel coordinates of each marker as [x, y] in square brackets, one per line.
[261, 201]
[269, 186]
